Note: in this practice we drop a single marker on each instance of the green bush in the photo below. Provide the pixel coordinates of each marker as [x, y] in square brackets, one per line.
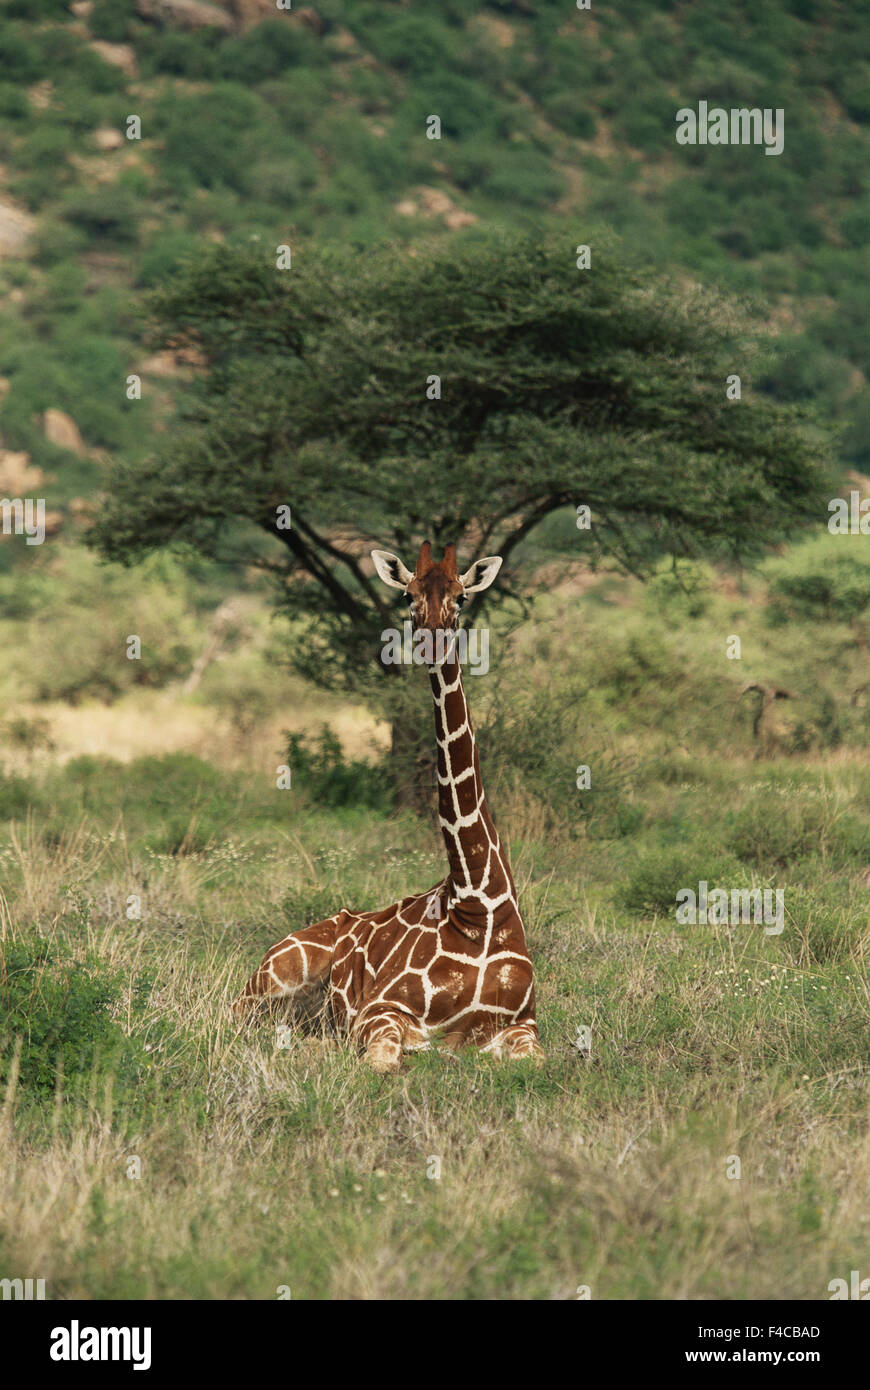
[68, 1014]
[653, 885]
[329, 779]
[14, 105]
[210, 139]
[299, 104]
[268, 51]
[110, 214]
[17, 797]
[414, 44]
[75, 68]
[680, 590]
[37, 9]
[568, 113]
[523, 177]
[778, 830]
[180, 54]
[855, 92]
[283, 180]
[155, 785]
[19, 59]
[112, 20]
[162, 258]
[185, 832]
[828, 586]
[830, 919]
[47, 147]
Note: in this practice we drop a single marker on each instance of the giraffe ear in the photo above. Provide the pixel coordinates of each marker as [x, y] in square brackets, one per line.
[481, 574]
[391, 569]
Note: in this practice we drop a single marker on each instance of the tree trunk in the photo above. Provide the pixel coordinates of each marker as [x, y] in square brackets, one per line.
[412, 759]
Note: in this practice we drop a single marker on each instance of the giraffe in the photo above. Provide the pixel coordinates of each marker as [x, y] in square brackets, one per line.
[450, 964]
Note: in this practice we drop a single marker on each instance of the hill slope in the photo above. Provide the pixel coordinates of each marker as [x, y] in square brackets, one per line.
[311, 126]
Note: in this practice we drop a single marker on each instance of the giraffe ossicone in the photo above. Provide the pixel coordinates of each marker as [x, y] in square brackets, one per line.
[449, 964]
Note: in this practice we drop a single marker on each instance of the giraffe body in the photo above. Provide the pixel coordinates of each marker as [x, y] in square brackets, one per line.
[449, 964]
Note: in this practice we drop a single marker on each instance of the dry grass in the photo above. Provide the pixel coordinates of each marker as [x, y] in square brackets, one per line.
[267, 1166]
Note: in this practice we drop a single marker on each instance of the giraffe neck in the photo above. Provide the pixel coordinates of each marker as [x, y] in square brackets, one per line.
[479, 872]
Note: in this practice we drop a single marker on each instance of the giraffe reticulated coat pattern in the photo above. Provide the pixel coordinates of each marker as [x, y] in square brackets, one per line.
[450, 963]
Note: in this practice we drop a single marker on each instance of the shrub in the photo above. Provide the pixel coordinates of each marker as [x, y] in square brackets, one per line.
[162, 258]
[412, 43]
[525, 177]
[779, 830]
[109, 213]
[211, 138]
[37, 9]
[830, 920]
[855, 92]
[17, 797]
[112, 20]
[658, 875]
[179, 54]
[297, 105]
[330, 779]
[77, 70]
[680, 590]
[283, 181]
[19, 59]
[268, 51]
[14, 105]
[63, 1010]
[567, 112]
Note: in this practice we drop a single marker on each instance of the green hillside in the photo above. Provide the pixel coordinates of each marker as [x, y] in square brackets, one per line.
[311, 127]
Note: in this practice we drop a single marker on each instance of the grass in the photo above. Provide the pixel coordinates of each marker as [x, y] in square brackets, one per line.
[265, 1166]
[139, 890]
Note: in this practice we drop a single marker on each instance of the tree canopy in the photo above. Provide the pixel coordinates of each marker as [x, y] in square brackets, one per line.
[559, 387]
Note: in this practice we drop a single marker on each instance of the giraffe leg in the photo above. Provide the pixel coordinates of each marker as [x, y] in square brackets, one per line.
[291, 967]
[383, 1033]
[519, 1040]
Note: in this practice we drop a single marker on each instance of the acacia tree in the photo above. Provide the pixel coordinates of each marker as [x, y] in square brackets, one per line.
[459, 394]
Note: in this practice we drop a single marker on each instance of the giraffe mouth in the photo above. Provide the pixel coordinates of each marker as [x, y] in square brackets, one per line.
[434, 645]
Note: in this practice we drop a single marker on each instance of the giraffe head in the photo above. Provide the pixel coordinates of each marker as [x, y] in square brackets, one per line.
[436, 591]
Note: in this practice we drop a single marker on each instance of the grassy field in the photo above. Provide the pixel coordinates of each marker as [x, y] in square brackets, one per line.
[269, 1161]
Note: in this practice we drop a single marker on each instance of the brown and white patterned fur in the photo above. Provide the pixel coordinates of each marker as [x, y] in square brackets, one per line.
[451, 963]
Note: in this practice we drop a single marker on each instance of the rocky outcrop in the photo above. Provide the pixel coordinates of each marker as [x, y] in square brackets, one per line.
[188, 14]
[434, 202]
[105, 138]
[18, 477]
[229, 15]
[62, 430]
[16, 227]
[119, 55]
[247, 13]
